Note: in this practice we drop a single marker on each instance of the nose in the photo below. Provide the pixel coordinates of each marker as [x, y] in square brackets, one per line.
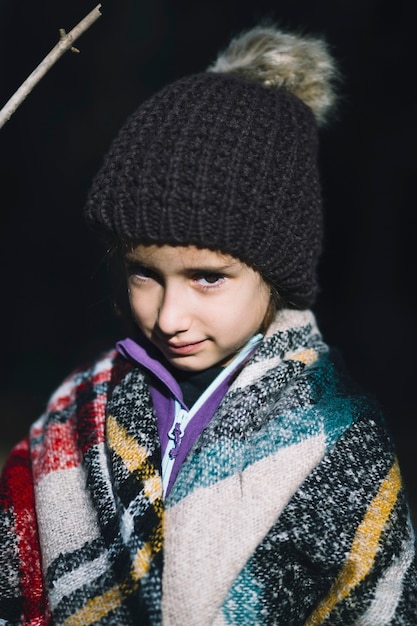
[174, 313]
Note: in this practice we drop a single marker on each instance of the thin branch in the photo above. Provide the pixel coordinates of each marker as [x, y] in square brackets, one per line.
[64, 44]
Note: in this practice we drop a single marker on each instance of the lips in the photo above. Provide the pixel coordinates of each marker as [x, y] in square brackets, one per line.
[180, 349]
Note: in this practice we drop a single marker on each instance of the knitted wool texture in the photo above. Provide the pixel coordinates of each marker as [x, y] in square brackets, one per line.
[289, 508]
[223, 163]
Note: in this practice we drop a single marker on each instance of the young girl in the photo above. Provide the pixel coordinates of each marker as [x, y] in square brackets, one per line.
[219, 466]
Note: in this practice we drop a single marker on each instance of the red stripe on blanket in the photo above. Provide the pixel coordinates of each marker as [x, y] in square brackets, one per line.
[61, 445]
[56, 450]
[73, 386]
[20, 500]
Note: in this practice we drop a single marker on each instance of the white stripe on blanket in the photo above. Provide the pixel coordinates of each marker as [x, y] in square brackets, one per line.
[64, 491]
[75, 579]
[205, 551]
[290, 319]
[253, 372]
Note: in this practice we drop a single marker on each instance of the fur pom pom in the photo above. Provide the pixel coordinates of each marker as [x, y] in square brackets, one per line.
[300, 65]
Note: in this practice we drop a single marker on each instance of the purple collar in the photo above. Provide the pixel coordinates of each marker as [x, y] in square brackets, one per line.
[164, 390]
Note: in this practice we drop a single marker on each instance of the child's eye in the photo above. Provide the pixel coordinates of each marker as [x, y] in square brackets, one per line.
[139, 272]
[209, 280]
[142, 272]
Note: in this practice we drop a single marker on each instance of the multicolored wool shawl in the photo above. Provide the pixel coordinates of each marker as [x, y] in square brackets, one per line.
[289, 509]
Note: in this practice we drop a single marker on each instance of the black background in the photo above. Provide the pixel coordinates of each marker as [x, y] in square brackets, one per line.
[56, 303]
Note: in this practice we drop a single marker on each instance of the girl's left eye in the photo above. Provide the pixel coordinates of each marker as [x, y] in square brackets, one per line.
[209, 280]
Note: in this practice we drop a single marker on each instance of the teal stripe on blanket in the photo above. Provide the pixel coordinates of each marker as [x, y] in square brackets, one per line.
[242, 605]
[227, 457]
[331, 416]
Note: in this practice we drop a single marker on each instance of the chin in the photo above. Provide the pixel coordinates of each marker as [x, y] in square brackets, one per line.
[187, 365]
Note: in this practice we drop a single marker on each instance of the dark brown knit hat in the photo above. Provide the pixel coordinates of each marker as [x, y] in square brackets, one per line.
[227, 160]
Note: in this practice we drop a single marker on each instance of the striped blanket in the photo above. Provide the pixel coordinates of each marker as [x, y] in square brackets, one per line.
[289, 509]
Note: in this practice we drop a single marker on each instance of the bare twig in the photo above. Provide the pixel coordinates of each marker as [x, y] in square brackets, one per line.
[65, 43]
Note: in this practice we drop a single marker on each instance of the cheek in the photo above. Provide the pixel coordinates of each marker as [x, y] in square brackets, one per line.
[259, 299]
[265, 299]
[141, 308]
[260, 306]
[247, 308]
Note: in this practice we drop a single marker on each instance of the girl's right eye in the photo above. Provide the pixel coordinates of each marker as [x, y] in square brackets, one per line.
[139, 273]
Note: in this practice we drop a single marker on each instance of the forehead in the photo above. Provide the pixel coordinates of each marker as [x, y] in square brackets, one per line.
[181, 256]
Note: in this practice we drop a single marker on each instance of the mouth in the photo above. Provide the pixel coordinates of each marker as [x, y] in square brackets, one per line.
[181, 349]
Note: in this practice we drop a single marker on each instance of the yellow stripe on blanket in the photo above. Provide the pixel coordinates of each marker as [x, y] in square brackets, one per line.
[135, 459]
[307, 356]
[96, 608]
[132, 454]
[364, 546]
[142, 561]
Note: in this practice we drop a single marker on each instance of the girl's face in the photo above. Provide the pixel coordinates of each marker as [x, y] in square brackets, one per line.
[197, 306]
